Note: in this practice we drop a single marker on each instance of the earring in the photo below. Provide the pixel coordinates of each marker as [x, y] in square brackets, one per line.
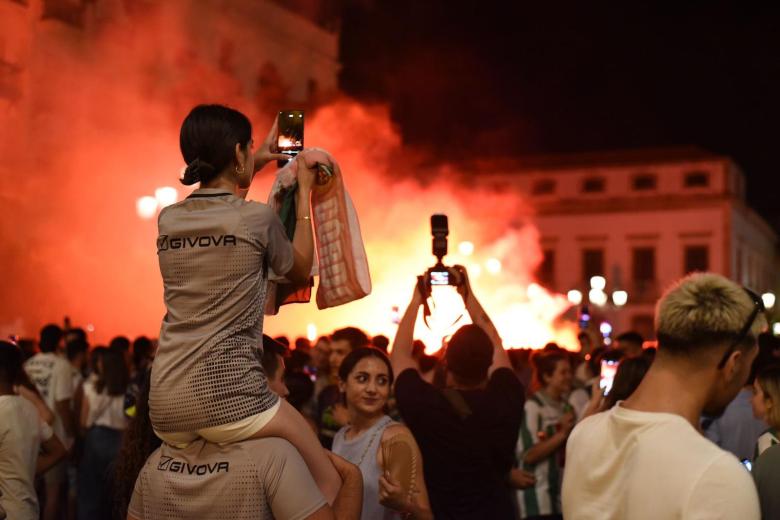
[239, 172]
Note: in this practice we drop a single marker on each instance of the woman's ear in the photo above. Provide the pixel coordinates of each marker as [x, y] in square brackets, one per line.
[240, 155]
[342, 387]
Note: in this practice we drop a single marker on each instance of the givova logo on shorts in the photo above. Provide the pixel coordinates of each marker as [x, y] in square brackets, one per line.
[165, 242]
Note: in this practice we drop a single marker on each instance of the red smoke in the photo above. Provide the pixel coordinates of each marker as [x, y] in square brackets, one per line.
[102, 131]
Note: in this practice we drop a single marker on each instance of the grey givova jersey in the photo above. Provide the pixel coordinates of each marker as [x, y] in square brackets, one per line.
[254, 479]
[214, 250]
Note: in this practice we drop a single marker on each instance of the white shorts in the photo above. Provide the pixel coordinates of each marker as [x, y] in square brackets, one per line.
[224, 433]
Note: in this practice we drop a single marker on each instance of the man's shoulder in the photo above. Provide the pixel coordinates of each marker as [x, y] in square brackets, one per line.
[14, 405]
[255, 209]
[37, 359]
[410, 380]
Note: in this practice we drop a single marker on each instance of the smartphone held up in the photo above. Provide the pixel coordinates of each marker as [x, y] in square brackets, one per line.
[608, 370]
[289, 138]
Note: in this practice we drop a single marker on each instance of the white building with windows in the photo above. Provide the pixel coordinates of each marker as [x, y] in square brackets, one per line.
[642, 219]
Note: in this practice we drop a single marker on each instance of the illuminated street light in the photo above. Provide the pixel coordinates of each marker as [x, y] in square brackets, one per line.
[598, 297]
[619, 298]
[493, 266]
[166, 196]
[574, 296]
[768, 299]
[605, 328]
[466, 248]
[776, 329]
[598, 283]
[146, 207]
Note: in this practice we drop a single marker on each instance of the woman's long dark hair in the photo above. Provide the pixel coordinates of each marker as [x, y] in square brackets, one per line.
[114, 377]
[138, 442]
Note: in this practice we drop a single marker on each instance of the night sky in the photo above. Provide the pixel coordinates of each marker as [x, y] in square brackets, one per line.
[502, 79]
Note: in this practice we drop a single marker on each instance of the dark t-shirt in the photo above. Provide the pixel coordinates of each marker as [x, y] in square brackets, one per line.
[766, 473]
[466, 461]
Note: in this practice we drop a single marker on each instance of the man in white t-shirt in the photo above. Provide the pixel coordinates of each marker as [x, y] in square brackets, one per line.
[645, 458]
[51, 374]
[22, 434]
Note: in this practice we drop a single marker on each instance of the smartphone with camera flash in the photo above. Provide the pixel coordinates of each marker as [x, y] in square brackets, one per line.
[607, 376]
[439, 277]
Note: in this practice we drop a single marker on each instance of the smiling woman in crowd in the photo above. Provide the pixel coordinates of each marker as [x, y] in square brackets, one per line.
[384, 450]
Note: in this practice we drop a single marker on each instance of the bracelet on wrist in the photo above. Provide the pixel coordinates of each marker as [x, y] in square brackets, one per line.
[304, 217]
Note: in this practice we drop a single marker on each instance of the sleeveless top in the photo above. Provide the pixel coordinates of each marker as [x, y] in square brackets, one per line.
[362, 451]
[214, 250]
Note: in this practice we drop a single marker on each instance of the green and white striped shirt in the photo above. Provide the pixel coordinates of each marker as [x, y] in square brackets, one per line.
[541, 419]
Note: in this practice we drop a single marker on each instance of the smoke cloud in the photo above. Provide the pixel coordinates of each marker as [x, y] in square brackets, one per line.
[100, 129]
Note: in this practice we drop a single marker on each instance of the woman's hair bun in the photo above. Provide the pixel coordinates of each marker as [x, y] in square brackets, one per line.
[196, 171]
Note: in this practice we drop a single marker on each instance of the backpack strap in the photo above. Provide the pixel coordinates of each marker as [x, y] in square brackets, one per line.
[458, 403]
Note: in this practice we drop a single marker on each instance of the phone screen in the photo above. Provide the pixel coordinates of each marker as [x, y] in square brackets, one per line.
[290, 131]
[608, 371]
[748, 465]
[440, 278]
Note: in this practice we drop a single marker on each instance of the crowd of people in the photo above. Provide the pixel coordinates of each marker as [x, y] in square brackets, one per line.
[214, 419]
[474, 431]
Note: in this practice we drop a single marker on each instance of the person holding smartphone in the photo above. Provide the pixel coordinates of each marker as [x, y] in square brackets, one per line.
[466, 431]
[215, 251]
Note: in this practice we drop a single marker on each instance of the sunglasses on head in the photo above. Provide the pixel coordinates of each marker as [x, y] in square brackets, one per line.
[758, 307]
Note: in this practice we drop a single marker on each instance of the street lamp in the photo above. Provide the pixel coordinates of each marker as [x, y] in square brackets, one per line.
[598, 283]
[493, 265]
[574, 296]
[466, 248]
[146, 207]
[619, 298]
[769, 299]
[166, 196]
[597, 296]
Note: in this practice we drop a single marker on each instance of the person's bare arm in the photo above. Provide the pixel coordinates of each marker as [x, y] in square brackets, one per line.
[52, 451]
[480, 318]
[402, 485]
[401, 355]
[544, 448]
[83, 414]
[521, 479]
[303, 240]
[64, 410]
[349, 501]
[267, 151]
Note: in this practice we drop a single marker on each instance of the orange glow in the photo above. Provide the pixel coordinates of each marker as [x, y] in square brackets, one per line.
[109, 123]
[394, 216]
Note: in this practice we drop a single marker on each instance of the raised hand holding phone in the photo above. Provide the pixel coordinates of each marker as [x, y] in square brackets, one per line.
[268, 150]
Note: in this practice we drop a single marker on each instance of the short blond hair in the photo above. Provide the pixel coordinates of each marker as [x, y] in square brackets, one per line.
[704, 310]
